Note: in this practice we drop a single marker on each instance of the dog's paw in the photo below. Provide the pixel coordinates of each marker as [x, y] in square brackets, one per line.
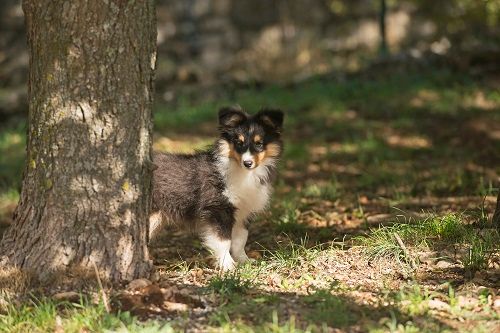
[242, 258]
[226, 263]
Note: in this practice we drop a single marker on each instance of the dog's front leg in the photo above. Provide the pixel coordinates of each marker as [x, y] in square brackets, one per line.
[239, 236]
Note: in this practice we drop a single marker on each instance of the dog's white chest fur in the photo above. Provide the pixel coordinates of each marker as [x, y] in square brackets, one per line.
[245, 190]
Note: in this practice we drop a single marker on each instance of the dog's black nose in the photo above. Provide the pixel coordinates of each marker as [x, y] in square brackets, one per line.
[248, 164]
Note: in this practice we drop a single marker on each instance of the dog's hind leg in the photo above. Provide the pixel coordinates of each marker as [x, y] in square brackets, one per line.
[156, 223]
[216, 235]
[220, 248]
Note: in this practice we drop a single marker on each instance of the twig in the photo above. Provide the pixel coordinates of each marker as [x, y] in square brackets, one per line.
[104, 297]
[405, 250]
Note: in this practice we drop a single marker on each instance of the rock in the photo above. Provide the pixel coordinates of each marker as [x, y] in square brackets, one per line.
[436, 304]
[155, 276]
[174, 306]
[255, 254]
[379, 218]
[151, 295]
[467, 302]
[428, 257]
[138, 284]
[481, 275]
[496, 303]
[67, 296]
[387, 271]
[480, 279]
[442, 264]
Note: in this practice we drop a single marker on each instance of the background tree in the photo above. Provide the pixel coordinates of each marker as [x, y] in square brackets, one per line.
[382, 28]
[496, 215]
[86, 187]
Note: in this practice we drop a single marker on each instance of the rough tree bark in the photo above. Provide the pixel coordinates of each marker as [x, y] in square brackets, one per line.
[86, 187]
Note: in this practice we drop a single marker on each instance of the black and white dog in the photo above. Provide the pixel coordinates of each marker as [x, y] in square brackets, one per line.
[216, 192]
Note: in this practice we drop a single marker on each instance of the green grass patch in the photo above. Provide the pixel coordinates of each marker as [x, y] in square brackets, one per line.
[286, 217]
[328, 309]
[12, 155]
[229, 284]
[274, 325]
[46, 315]
[255, 309]
[414, 299]
[329, 191]
[290, 255]
[431, 232]
[479, 249]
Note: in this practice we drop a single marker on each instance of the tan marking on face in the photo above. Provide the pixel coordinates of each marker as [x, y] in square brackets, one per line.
[227, 149]
[241, 138]
[273, 150]
[259, 157]
[257, 138]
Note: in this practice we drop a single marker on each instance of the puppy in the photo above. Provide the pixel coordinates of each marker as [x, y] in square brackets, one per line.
[217, 192]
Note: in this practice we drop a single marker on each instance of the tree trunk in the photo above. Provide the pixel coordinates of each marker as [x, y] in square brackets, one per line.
[496, 215]
[383, 50]
[86, 189]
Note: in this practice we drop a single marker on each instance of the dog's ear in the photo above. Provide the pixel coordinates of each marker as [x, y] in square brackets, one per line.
[272, 118]
[231, 117]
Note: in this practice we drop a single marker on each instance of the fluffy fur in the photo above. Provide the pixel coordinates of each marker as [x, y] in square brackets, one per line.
[217, 192]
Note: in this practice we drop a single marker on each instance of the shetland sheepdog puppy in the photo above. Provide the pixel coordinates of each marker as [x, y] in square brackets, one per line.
[217, 192]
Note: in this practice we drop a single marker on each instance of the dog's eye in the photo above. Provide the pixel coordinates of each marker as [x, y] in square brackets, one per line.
[259, 145]
[239, 143]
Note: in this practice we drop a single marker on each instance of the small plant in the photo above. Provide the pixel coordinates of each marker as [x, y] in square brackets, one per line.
[392, 325]
[328, 309]
[383, 242]
[449, 227]
[288, 218]
[414, 299]
[292, 255]
[479, 251]
[47, 316]
[480, 215]
[329, 191]
[229, 284]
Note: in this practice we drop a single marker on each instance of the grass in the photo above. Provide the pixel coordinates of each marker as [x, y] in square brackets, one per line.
[12, 148]
[449, 229]
[479, 251]
[275, 326]
[329, 191]
[422, 140]
[287, 217]
[229, 284]
[328, 309]
[414, 299]
[290, 255]
[45, 315]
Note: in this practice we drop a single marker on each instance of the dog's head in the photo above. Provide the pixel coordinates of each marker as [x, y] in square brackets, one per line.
[251, 140]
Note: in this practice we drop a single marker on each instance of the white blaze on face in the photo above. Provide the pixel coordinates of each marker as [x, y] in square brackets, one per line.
[247, 156]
